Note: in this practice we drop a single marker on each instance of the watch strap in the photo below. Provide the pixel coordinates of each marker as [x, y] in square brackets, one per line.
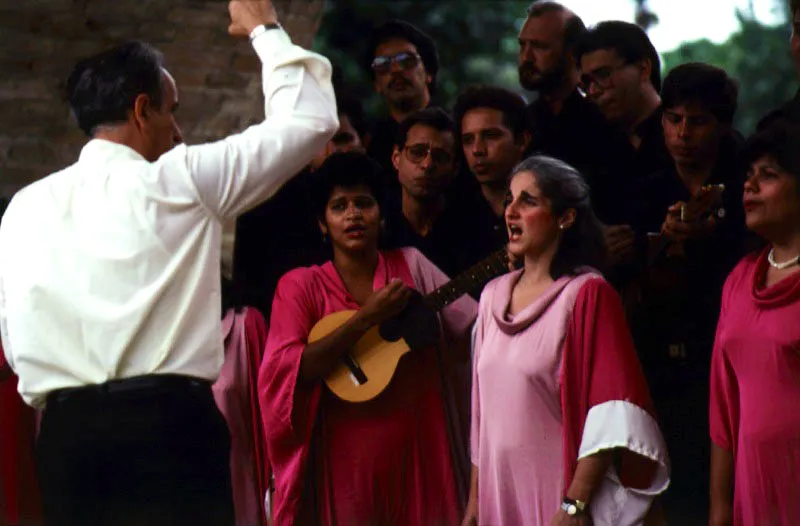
[261, 29]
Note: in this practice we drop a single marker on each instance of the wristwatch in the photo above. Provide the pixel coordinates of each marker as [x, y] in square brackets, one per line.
[574, 508]
[261, 29]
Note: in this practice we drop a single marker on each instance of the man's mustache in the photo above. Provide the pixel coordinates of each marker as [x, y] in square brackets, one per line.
[399, 81]
[528, 68]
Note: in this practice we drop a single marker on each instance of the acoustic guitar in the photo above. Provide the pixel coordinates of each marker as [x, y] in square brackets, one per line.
[368, 368]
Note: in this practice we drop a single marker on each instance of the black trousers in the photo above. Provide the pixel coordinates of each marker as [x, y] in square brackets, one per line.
[151, 450]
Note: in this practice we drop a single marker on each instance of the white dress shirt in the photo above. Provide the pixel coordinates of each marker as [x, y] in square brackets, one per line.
[110, 268]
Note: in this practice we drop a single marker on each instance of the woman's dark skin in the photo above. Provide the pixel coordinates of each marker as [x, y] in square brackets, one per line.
[352, 223]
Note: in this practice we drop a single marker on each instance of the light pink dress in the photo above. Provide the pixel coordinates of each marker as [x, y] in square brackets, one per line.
[755, 393]
[235, 391]
[557, 382]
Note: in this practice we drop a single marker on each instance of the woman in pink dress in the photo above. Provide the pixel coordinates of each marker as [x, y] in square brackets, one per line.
[244, 334]
[562, 425]
[755, 368]
[389, 461]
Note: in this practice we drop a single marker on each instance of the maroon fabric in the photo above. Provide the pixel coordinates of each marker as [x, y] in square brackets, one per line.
[600, 365]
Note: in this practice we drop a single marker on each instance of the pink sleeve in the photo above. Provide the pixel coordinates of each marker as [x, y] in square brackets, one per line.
[286, 405]
[456, 317]
[724, 393]
[478, 335]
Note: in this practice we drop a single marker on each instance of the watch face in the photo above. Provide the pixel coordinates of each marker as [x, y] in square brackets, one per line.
[571, 509]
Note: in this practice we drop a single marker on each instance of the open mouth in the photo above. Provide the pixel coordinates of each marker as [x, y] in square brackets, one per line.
[355, 230]
[514, 232]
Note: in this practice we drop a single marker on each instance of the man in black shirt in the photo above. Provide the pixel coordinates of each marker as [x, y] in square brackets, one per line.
[494, 134]
[687, 256]
[621, 74]
[423, 216]
[403, 62]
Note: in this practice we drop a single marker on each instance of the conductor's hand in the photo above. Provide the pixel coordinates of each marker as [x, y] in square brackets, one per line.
[385, 303]
[247, 14]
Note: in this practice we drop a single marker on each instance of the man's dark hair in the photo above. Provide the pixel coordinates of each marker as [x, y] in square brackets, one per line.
[102, 89]
[629, 41]
[511, 105]
[353, 109]
[703, 84]
[433, 117]
[780, 141]
[583, 243]
[794, 5]
[402, 30]
[574, 28]
[348, 170]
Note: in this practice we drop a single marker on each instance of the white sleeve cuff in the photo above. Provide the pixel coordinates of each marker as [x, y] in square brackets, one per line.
[621, 424]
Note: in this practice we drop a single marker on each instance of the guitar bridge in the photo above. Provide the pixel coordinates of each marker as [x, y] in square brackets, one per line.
[356, 373]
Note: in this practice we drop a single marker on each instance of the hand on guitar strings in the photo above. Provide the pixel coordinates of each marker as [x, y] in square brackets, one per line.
[385, 303]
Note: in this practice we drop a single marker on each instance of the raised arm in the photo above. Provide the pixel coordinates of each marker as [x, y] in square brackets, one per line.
[240, 171]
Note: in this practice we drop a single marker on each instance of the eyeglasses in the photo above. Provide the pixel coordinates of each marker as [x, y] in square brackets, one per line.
[405, 59]
[416, 153]
[603, 77]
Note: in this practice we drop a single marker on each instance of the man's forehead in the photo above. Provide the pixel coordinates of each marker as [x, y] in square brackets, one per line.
[600, 58]
[422, 130]
[688, 108]
[170, 88]
[482, 118]
[394, 45]
[547, 25]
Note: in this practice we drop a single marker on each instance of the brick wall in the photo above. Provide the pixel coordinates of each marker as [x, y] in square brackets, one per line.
[218, 77]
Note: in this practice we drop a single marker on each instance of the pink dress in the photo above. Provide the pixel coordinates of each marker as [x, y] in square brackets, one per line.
[555, 383]
[389, 461]
[245, 334]
[755, 393]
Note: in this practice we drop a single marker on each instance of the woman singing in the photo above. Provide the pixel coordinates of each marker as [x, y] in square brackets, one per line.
[755, 368]
[562, 429]
[388, 461]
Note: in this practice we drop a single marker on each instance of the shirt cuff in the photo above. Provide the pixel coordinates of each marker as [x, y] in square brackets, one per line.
[269, 45]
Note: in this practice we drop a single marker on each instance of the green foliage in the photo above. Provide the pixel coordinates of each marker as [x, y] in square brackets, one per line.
[757, 56]
[477, 40]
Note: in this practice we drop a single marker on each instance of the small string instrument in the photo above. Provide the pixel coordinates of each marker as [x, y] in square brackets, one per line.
[367, 369]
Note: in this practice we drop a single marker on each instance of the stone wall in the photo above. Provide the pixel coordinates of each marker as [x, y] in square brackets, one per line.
[218, 77]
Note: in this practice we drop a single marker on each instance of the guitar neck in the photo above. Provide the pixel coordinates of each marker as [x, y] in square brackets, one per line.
[468, 281]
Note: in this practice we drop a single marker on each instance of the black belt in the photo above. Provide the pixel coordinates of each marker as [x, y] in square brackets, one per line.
[152, 382]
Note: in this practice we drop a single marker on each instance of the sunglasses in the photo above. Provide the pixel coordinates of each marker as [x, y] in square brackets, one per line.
[405, 59]
[416, 153]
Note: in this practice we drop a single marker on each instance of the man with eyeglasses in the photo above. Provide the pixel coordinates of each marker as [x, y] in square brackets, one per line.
[403, 63]
[621, 74]
[422, 215]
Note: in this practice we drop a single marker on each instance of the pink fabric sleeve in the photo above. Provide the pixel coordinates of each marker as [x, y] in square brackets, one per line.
[724, 392]
[484, 310]
[256, 337]
[456, 317]
[601, 365]
[285, 404]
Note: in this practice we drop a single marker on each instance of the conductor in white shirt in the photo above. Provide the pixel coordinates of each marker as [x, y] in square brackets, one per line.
[110, 280]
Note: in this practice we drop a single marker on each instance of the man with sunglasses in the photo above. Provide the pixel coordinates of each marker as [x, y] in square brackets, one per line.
[422, 216]
[403, 63]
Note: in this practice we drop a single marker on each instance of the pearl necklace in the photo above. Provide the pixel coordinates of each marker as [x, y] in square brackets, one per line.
[781, 266]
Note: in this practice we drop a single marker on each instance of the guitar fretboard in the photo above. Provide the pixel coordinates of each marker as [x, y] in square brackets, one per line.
[469, 280]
